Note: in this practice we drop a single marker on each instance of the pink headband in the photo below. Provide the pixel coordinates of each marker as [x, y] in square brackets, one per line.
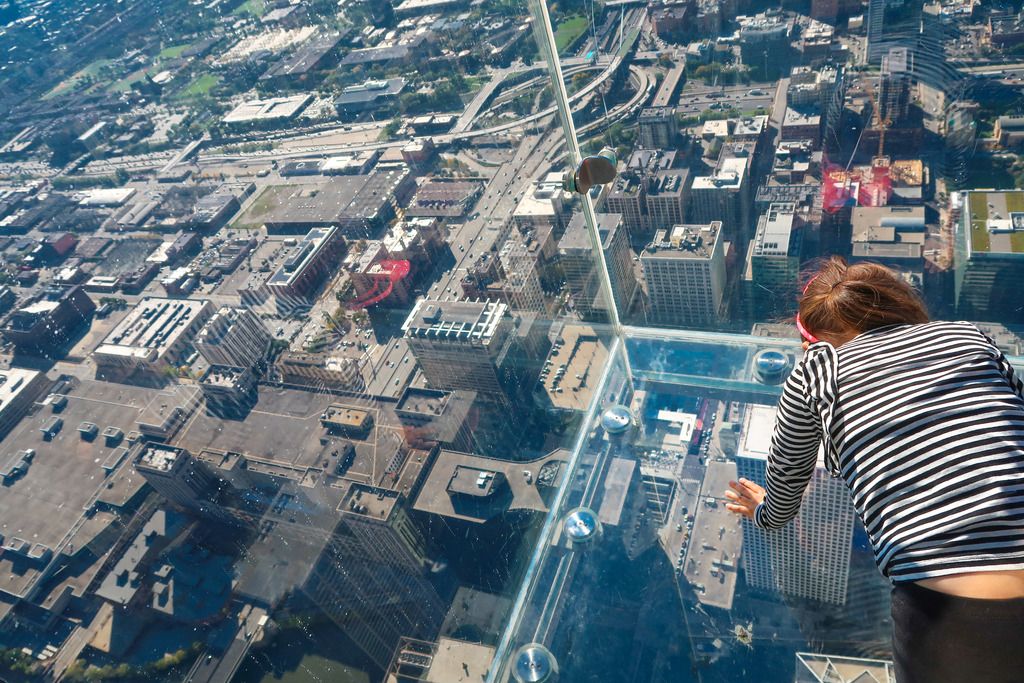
[810, 338]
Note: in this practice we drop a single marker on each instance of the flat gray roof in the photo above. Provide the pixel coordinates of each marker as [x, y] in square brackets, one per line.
[66, 474]
[435, 498]
[715, 541]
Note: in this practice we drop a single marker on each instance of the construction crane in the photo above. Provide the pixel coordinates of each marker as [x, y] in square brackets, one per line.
[883, 122]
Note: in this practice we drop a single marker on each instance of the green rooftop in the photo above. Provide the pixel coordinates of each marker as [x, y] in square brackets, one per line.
[995, 205]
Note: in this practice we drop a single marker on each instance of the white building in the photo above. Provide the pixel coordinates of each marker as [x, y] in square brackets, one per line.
[233, 336]
[810, 556]
[544, 204]
[723, 196]
[684, 268]
[155, 335]
[462, 344]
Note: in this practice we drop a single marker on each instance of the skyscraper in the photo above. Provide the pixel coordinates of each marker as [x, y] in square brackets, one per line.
[233, 336]
[810, 556]
[658, 127]
[522, 284]
[988, 255]
[684, 268]
[176, 476]
[580, 266]
[875, 30]
[773, 262]
[894, 90]
[724, 196]
[463, 345]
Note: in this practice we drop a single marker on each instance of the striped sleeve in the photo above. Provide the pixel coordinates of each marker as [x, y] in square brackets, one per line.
[793, 453]
[1005, 369]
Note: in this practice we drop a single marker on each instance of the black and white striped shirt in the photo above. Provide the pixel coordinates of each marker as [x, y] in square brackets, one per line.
[925, 423]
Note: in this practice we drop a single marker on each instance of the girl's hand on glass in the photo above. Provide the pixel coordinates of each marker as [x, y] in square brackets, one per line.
[805, 346]
[746, 496]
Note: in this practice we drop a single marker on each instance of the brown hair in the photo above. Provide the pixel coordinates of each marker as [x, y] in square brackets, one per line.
[841, 299]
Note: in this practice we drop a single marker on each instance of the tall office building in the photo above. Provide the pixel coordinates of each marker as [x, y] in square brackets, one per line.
[890, 23]
[580, 266]
[464, 345]
[875, 28]
[658, 127]
[233, 336]
[894, 87]
[724, 196]
[545, 206]
[626, 196]
[764, 42]
[989, 255]
[666, 199]
[348, 549]
[176, 476]
[522, 283]
[371, 576]
[810, 556]
[684, 268]
[773, 262]
[649, 193]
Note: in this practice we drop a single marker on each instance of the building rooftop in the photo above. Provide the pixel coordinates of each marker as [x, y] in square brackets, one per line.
[775, 230]
[581, 354]
[369, 501]
[285, 438]
[996, 220]
[13, 381]
[53, 504]
[729, 175]
[274, 108]
[444, 198]
[159, 457]
[684, 242]
[126, 577]
[715, 541]
[301, 255]
[475, 482]
[369, 91]
[337, 201]
[801, 117]
[462, 320]
[345, 416]
[376, 54]
[526, 480]
[577, 239]
[540, 198]
[306, 58]
[422, 401]
[826, 668]
[152, 327]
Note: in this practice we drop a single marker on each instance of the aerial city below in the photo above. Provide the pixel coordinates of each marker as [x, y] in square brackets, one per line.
[313, 369]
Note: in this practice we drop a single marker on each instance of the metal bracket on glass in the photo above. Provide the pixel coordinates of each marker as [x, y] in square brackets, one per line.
[617, 420]
[591, 171]
[581, 526]
[771, 366]
[534, 663]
